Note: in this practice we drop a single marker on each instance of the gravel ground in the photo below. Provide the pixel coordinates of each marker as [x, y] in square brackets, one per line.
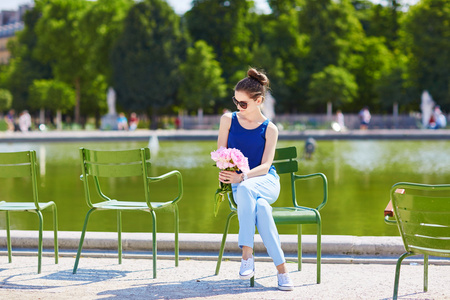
[104, 278]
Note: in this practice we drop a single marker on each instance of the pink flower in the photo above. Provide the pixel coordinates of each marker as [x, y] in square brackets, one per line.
[230, 159]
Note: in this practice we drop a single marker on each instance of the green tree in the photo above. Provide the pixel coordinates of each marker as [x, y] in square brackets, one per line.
[52, 95]
[334, 36]
[426, 40]
[334, 32]
[101, 25]
[282, 7]
[223, 24]
[202, 83]
[23, 66]
[281, 52]
[333, 86]
[146, 57]
[5, 100]
[60, 42]
[367, 64]
[381, 20]
[395, 89]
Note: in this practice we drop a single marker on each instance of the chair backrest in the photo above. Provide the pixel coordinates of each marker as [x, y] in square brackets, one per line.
[121, 163]
[423, 217]
[285, 160]
[285, 163]
[20, 165]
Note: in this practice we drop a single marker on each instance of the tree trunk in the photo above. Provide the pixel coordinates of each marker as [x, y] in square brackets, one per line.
[395, 114]
[97, 119]
[58, 119]
[42, 116]
[329, 110]
[200, 116]
[154, 119]
[77, 101]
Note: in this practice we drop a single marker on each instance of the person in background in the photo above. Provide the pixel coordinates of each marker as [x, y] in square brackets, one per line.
[438, 119]
[364, 117]
[256, 137]
[340, 119]
[134, 121]
[122, 122]
[10, 120]
[24, 121]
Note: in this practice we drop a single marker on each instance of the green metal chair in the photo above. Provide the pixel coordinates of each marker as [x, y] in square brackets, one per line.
[422, 214]
[98, 164]
[285, 162]
[22, 165]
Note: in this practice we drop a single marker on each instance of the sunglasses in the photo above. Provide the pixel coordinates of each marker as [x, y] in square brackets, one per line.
[240, 103]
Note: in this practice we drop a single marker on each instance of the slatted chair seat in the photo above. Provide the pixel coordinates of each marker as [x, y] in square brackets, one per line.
[294, 215]
[422, 215]
[24, 206]
[130, 205]
[285, 162]
[23, 165]
[98, 164]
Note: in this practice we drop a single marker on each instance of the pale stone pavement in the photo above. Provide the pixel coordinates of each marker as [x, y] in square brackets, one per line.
[104, 278]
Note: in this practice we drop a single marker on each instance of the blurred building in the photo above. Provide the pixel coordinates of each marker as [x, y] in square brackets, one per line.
[11, 21]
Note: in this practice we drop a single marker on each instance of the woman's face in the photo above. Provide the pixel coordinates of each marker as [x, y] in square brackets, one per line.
[244, 103]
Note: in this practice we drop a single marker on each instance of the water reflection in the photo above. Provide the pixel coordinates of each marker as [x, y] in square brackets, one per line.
[360, 174]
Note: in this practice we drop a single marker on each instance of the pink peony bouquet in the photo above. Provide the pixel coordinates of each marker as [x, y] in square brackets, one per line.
[228, 159]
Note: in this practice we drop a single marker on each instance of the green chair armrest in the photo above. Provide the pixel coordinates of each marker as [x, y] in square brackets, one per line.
[388, 213]
[389, 221]
[325, 187]
[167, 175]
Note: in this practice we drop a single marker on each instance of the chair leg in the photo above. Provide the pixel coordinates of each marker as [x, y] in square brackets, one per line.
[177, 229]
[154, 243]
[425, 272]
[55, 232]
[224, 238]
[319, 250]
[299, 247]
[8, 237]
[119, 235]
[41, 226]
[397, 273]
[83, 233]
[252, 280]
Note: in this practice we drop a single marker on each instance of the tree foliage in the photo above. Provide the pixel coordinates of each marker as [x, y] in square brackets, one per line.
[202, 83]
[332, 85]
[5, 100]
[386, 53]
[282, 52]
[60, 42]
[426, 37]
[394, 87]
[52, 95]
[146, 57]
[223, 24]
[100, 25]
[24, 66]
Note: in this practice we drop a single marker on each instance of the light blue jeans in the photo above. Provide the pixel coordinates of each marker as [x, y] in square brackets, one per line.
[253, 198]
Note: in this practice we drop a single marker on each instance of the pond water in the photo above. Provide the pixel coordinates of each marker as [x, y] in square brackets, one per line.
[360, 174]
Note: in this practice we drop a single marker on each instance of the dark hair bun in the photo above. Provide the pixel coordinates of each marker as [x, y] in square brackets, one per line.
[258, 76]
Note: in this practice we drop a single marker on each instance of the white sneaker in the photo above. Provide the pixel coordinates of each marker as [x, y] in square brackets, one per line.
[247, 270]
[285, 282]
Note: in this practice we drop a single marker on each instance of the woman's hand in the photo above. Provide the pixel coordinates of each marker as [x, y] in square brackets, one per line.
[230, 177]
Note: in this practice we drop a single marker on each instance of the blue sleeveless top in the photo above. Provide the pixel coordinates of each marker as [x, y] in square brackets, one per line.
[251, 142]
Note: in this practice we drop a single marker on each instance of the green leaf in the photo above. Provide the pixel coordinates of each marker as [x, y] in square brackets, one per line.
[219, 196]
